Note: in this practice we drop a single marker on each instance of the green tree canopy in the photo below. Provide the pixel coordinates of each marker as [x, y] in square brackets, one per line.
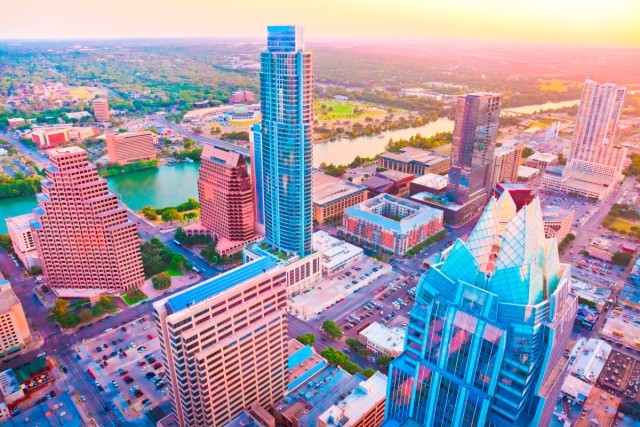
[332, 329]
[307, 339]
[161, 281]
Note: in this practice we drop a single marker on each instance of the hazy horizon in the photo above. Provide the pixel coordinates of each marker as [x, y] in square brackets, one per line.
[571, 22]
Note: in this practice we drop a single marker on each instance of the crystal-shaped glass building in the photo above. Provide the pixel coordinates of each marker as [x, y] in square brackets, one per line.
[488, 330]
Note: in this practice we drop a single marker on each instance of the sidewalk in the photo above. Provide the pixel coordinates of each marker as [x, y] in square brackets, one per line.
[177, 283]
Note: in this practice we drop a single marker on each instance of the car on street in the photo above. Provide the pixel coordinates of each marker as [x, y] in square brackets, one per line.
[83, 398]
[42, 354]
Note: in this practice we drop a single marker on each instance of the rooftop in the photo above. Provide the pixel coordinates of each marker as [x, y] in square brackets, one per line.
[395, 175]
[412, 154]
[527, 172]
[394, 213]
[587, 359]
[20, 223]
[58, 151]
[334, 251]
[217, 284]
[543, 157]
[221, 156]
[8, 297]
[59, 411]
[551, 213]
[351, 409]
[303, 362]
[327, 188]
[432, 180]
[385, 337]
[600, 409]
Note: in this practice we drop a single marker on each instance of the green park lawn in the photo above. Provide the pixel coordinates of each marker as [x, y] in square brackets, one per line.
[335, 110]
[134, 297]
[175, 272]
[622, 225]
[553, 85]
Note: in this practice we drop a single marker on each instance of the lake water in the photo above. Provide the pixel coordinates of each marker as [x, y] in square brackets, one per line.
[528, 109]
[172, 185]
[160, 187]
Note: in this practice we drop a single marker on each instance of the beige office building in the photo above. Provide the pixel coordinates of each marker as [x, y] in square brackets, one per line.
[22, 239]
[14, 328]
[101, 110]
[224, 342]
[506, 162]
[130, 147]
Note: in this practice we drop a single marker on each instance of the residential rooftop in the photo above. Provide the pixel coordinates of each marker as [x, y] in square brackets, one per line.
[327, 188]
[410, 214]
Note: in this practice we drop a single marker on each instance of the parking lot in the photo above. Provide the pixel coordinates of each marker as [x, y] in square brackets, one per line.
[622, 326]
[332, 291]
[126, 363]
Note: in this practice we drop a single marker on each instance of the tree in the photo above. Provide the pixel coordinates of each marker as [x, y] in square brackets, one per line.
[369, 372]
[85, 315]
[383, 361]
[352, 343]
[35, 270]
[149, 213]
[177, 262]
[332, 329]
[528, 151]
[161, 281]
[307, 339]
[5, 242]
[170, 215]
[621, 258]
[60, 308]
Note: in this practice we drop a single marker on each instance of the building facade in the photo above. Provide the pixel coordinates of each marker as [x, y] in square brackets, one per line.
[14, 328]
[488, 330]
[225, 193]
[130, 147]
[390, 223]
[224, 343]
[331, 196]
[82, 234]
[286, 93]
[596, 159]
[101, 110]
[415, 161]
[473, 145]
[50, 136]
[22, 239]
[506, 162]
[557, 222]
[242, 97]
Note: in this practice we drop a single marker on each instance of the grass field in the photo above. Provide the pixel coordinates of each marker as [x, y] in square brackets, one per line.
[622, 225]
[134, 297]
[82, 92]
[175, 272]
[553, 85]
[334, 110]
[242, 123]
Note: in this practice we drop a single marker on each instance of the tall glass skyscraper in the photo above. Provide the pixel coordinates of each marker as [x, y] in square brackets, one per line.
[285, 149]
[474, 141]
[488, 330]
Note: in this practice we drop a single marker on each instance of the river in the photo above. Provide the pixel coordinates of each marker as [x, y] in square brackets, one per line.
[172, 185]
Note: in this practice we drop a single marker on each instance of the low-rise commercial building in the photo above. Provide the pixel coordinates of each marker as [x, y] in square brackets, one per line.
[415, 161]
[389, 182]
[16, 122]
[599, 410]
[390, 223]
[584, 184]
[557, 222]
[430, 182]
[541, 161]
[381, 339]
[50, 136]
[14, 328]
[527, 174]
[336, 254]
[130, 147]
[22, 239]
[331, 196]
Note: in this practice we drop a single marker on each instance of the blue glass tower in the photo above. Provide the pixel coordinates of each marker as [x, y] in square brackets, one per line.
[286, 96]
[488, 330]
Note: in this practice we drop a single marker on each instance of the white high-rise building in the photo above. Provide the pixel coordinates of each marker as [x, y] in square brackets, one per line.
[596, 159]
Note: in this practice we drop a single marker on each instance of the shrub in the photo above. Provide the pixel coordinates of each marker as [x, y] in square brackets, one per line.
[161, 281]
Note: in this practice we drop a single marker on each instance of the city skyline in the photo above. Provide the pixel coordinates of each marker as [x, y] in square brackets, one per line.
[572, 21]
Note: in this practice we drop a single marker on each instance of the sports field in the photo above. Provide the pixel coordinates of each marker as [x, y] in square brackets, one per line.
[328, 109]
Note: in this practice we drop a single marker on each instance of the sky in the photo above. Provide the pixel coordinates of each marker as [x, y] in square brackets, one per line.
[602, 22]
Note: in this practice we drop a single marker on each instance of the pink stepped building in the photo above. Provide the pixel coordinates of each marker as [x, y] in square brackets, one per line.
[226, 198]
[82, 234]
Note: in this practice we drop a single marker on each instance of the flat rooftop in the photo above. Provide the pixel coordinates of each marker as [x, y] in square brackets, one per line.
[217, 284]
[372, 210]
[432, 180]
[327, 189]
[587, 358]
[385, 337]
[59, 411]
[412, 154]
[20, 223]
[8, 297]
[600, 407]
[550, 213]
[527, 172]
[54, 152]
[351, 408]
[303, 362]
[334, 251]
[543, 157]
